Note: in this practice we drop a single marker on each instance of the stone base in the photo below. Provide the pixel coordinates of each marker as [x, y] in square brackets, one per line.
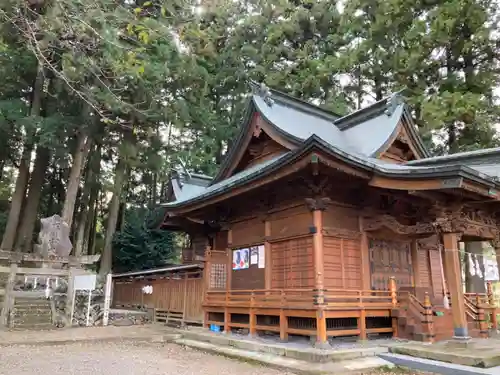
[322, 345]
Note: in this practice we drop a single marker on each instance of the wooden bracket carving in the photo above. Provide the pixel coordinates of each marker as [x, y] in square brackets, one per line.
[315, 204]
[387, 221]
[466, 220]
[496, 242]
[340, 232]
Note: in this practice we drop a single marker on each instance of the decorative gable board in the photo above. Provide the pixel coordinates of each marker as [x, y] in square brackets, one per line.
[402, 148]
[258, 144]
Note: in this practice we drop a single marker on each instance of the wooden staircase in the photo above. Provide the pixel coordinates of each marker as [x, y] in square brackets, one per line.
[421, 321]
[412, 320]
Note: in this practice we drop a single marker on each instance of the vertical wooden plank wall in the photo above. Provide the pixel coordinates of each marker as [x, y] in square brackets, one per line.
[183, 295]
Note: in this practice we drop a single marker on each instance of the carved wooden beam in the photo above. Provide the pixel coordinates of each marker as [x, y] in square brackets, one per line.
[387, 221]
[315, 204]
[467, 221]
[428, 195]
[340, 232]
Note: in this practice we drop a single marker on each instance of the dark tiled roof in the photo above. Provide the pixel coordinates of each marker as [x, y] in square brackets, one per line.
[356, 138]
[367, 163]
[485, 156]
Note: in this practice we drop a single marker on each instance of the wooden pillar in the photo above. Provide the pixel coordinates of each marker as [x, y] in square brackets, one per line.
[70, 297]
[8, 301]
[184, 307]
[229, 252]
[415, 264]
[428, 322]
[483, 326]
[283, 319]
[365, 258]
[207, 270]
[394, 302]
[168, 294]
[492, 303]
[317, 207]
[268, 270]
[362, 324]
[252, 331]
[453, 274]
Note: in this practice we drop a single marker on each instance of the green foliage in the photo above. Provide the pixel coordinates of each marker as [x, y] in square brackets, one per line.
[445, 53]
[138, 248]
[154, 81]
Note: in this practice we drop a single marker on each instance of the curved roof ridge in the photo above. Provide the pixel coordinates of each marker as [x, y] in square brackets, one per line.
[386, 105]
[449, 158]
[299, 104]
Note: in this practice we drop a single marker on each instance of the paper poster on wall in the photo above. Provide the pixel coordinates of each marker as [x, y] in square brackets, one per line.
[241, 259]
[262, 256]
[254, 255]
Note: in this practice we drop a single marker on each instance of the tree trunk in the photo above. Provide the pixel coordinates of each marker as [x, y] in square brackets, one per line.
[17, 201]
[155, 190]
[74, 178]
[25, 233]
[93, 204]
[24, 170]
[86, 212]
[114, 208]
[92, 231]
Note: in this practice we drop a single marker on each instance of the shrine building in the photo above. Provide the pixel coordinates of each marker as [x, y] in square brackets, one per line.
[324, 225]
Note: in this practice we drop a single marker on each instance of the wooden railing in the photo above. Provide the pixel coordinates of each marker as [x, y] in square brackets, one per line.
[334, 299]
[471, 305]
[419, 313]
[346, 299]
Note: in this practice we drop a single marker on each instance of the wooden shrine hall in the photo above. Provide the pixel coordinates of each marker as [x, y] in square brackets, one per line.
[324, 225]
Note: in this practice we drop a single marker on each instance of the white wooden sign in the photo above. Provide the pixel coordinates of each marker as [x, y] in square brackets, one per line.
[107, 299]
[85, 282]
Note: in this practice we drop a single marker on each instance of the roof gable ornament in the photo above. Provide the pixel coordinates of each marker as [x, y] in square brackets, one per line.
[184, 171]
[261, 89]
[392, 103]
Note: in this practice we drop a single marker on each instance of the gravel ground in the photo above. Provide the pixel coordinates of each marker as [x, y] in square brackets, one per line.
[124, 359]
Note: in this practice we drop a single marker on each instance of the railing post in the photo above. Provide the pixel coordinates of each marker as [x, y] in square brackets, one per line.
[392, 290]
[493, 306]
[8, 302]
[184, 306]
[428, 321]
[253, 317]
[283, 319]
[227, 315]
[394, 302]
[483, 327]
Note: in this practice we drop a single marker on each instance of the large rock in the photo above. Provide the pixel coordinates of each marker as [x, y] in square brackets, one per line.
[54, 238]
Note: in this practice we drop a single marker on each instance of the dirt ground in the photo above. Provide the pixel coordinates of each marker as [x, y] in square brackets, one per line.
[124, 359]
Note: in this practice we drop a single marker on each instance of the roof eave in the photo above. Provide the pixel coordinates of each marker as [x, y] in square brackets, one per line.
[409, 125]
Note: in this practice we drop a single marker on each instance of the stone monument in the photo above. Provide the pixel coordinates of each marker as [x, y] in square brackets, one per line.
[53, 238]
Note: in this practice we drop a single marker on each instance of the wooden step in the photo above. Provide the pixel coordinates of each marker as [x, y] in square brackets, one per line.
[165, 316]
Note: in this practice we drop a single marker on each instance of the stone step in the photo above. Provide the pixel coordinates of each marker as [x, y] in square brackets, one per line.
[31, 301]
[31, 307]
[34, 318]
[306, 354]
[290, 364]
[33, 326]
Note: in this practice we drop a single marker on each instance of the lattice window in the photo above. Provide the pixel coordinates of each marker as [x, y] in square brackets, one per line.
[218, 276]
